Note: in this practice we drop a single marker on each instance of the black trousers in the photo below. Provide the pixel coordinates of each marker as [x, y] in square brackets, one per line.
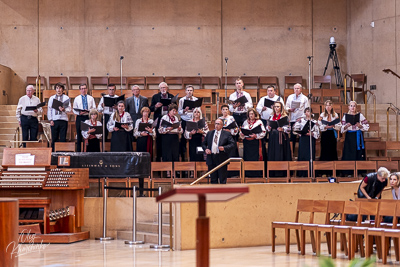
[182, 142]
[240, 118]
[293, 137]
[79, 138]
[59, 132]
[221, 174]
[106, 118]
[30, 128]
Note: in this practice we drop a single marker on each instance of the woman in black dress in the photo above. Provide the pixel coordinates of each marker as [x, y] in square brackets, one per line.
[328, 132]
[144, 138]
[121, 140]
[93, 141]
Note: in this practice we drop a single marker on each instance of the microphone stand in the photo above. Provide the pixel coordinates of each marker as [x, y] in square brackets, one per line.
[309, 126]
[226, 80]
[120, 59]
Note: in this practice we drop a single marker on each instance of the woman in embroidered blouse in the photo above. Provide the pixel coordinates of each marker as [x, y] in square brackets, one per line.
[328, 133]
[304, 141]
[170, 137]
[93, 144]
[145, 138]
[252, 143]
[353, 148]
[121, 140]
[279, 143]
[196, 137]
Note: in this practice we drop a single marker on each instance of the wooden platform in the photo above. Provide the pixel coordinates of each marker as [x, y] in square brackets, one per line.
[56, 238]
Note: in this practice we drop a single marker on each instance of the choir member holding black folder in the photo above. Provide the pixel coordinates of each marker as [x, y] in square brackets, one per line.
[231, 126]
[279, 143]
[329, 123]
[304, 128]
[108, 104]
[170, 128]
[120, 126]
[144, 132]
[353, 124]
[195, 131]
[240, 102]
[92, 131]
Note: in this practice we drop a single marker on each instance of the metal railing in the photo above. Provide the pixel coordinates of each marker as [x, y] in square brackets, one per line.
[345, 87]
[221, 165]
[396, 111]
[16, 137]
[366, 104]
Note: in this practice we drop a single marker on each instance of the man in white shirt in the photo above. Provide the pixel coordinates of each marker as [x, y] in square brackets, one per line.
[186, 115]
[58, 118]
[28, 119]
[107, 111]
[238, 111]
[295, 104]
[82, 105]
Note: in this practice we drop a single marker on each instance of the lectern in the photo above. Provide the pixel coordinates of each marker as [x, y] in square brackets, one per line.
[202, 194]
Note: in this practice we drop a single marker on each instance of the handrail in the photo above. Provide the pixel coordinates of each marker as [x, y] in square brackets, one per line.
[219, 166]
[16, 135]
[365, 101]
[396, 111]
[345, 87]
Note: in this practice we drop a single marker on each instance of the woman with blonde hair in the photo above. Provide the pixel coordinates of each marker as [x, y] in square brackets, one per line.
[121, 140]
[144, 138]
[93, 144]
[328, 132]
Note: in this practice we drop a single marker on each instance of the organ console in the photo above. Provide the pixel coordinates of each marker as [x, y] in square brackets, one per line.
[50, 199]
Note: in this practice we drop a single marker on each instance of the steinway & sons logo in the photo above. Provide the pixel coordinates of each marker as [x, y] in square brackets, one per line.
[101, 165]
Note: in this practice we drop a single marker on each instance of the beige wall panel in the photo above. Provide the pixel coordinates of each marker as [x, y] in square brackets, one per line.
[57, 13]
[107, 13]
[18, 13]
[383, 9]
[176, 12]
[267, 13]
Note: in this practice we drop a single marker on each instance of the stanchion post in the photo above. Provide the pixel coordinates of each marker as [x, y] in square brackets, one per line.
[134, 242]
[105, 237]
[160, 245]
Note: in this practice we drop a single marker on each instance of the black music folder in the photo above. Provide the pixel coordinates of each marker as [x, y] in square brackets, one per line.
[330, 123]
[255, 130]
[279, 123]
[119, 125]
[195, 125]
[352, 119]
[242, 100]
[231, 125]
[167, 124]
[167, 101]
[81, 110]
[268, 103]
[192, 104]
[31, 108]
[86, 127]
[112, 101]
[143, 126]
[56, 104]
[306, 128]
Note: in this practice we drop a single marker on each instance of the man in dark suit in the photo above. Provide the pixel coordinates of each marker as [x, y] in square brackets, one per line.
[135, 103]
[159, 111]
[217, 145]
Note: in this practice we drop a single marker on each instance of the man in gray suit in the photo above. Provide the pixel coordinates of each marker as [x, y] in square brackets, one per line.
[135, 103]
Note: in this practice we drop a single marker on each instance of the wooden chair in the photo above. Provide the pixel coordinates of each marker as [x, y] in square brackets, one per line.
[64, 146]
[250, 82]
[141, 81]
[377, 146]
[107, 147]
[264, 82]
[46, 94]
[254, 166]
[184, 167]
[235, 166]
[360, 83]
[373, 132]
[290, 81]
[366, 166]
[303, 206]
[201, 167]
[31, 80]
[117, 81]
[253, 94]
[194, 81]
[73, 93]
[221, 93]
[395, 234]
[392, 166]
[132, 181]
[299, 166]
[213, 82]
[152, 82]
[323, 166]
[38, 144]
[99, 82]
[161, 167]
[61, 79]
[278, 166]
[174, 82]
[392, 146]
[74, 82]
[231, 81]
[345, 166]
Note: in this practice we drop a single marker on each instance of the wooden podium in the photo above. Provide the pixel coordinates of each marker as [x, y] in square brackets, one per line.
[202, 194]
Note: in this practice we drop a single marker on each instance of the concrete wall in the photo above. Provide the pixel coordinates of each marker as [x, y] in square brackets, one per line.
[169, 37]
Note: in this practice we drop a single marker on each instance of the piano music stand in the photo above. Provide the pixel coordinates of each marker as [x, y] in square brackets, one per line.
[201, 194]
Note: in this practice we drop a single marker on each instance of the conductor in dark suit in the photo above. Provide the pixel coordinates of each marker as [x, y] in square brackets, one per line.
[135, 103]
[217, 145]
[159, 111]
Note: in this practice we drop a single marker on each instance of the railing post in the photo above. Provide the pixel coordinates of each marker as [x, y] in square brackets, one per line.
[134, 219]
[105, 237]
[159, 245]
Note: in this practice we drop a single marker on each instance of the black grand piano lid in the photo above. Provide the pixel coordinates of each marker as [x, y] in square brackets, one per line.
[109, 164]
